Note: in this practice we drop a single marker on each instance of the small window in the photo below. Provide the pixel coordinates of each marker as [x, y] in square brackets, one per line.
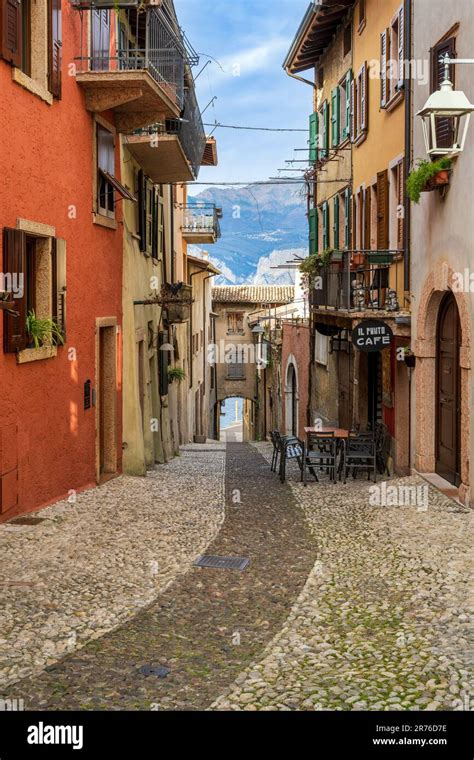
[107, 183]
[320, 77]
[347, 40]
[321, 349]
[235, 323]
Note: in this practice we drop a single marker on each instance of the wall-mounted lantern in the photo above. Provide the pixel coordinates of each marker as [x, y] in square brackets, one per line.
[447, 103]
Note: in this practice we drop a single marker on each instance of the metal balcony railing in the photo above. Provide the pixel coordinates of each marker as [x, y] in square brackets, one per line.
[360, 281]
[146, 40]
[202, 219]
[190, 130]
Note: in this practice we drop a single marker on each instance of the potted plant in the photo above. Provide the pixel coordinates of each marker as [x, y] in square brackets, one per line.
[427, 176]
[409, 357]
[310, 269]
[43, 332]
[176, 373]
[357, 259]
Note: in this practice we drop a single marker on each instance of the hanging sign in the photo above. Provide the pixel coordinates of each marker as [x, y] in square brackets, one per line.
[372, 335]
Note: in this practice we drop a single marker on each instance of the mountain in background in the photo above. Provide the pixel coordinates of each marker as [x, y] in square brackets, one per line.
[262, 226]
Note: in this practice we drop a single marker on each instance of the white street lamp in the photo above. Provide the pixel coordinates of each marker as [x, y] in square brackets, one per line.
[447, 103]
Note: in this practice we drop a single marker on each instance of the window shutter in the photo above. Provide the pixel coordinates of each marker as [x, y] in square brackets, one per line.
[354, 222]
[163, 378]
[335, 116]
[54, 47]
[325, 148]
[313, 231]
[382, 210]
[347, 218]
[335, 225]
[14, 265]
[325, 225]
[353, 107]
[368, 216]
[142, 210]
[347, 129]
[401, 48]
[154, 242]
[444, 126]
[313, 137]
[10, 31]
[400, 204]
[383, 68]
[364, 91]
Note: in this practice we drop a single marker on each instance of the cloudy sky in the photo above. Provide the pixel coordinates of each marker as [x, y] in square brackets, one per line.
[249, 39]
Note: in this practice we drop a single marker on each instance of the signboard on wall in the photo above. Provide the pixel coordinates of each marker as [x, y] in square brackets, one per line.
[372, 335]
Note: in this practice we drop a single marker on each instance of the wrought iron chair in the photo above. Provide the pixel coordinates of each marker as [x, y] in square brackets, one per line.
[290, 448]
[320, 453]
[360, 453]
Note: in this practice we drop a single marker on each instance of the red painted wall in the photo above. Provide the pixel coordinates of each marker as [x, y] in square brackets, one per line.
[46, 166]
[296, 341]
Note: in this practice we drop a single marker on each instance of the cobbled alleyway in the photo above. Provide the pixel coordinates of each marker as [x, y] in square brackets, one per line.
[343, 605]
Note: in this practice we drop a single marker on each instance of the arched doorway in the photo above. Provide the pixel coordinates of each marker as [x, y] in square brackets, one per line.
[448, 391]
[291, 404]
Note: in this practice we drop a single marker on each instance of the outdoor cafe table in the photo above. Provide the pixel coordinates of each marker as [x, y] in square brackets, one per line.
[340, 433]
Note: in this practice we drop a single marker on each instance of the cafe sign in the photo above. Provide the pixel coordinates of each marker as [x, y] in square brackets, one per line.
[372, 335]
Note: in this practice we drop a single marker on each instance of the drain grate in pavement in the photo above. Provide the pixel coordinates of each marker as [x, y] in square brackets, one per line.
[222, 563]
[26, 521]
[154, 670]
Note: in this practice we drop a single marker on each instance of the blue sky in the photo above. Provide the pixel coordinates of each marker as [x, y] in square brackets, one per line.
[255, 35]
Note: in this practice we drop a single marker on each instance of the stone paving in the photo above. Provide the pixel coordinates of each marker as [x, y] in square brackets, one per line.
[385, 619]
[95, 563]
[209, 624]
[345, 605]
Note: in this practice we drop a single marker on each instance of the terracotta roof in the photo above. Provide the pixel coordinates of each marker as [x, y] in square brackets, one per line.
[257, 294]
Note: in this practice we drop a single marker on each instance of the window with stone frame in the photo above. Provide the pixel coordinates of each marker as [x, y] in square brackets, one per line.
[235, 323]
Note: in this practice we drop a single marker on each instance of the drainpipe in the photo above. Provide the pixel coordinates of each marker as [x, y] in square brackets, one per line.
[408, 159]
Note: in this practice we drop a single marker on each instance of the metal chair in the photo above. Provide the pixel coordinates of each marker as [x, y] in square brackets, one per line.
[290, 448]
[275, 439]
[360, 453]
[320, 453]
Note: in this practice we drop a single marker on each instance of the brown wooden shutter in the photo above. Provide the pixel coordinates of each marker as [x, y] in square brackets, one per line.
[354, 222]
[14, 265]
[401, 48]
[54, 47]
[400, 204]
[383, 68]
[155, 230]
[382, 211]
[10, 31]
[58, 253]
[364, 90]
[367, 219]
[444, 126]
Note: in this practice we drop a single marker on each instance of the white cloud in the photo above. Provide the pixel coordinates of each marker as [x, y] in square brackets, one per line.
[256, 58]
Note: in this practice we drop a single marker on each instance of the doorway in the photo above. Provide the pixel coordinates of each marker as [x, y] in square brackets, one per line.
[374, 388]
[106, 459]
[448, 393]
[291, 408]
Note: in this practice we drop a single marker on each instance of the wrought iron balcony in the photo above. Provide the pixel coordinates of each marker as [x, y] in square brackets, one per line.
[172, 151]
[360, 281]
[201, 223]
[132, 60]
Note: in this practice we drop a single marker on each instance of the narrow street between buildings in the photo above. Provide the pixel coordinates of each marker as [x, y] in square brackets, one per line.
[341, 606]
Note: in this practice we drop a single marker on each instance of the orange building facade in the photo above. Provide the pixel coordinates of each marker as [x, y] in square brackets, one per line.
[61, 254]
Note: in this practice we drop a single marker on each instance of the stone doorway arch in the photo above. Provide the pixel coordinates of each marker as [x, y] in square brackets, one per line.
[291, 397]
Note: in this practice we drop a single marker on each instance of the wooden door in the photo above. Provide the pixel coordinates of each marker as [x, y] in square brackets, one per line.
[448, 392]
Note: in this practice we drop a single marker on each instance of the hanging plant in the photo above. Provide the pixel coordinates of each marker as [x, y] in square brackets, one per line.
[427, 176]
[176, 373]
[310, 267]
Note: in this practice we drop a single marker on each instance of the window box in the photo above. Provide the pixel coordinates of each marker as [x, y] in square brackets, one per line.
[379, 257]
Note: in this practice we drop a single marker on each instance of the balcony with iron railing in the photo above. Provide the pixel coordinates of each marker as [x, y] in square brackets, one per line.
[172, 151]
[201, 223]
[360, 282]
[132, 60]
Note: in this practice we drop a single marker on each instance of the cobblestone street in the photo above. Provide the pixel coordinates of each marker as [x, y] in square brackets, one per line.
[342, 607]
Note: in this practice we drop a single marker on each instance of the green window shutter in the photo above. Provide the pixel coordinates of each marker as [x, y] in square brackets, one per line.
[313, 137]
[335, 116]
[347, 129]
[325, 115]
[335, 226]
[313, 231]
[325, 225]
[347, 217]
